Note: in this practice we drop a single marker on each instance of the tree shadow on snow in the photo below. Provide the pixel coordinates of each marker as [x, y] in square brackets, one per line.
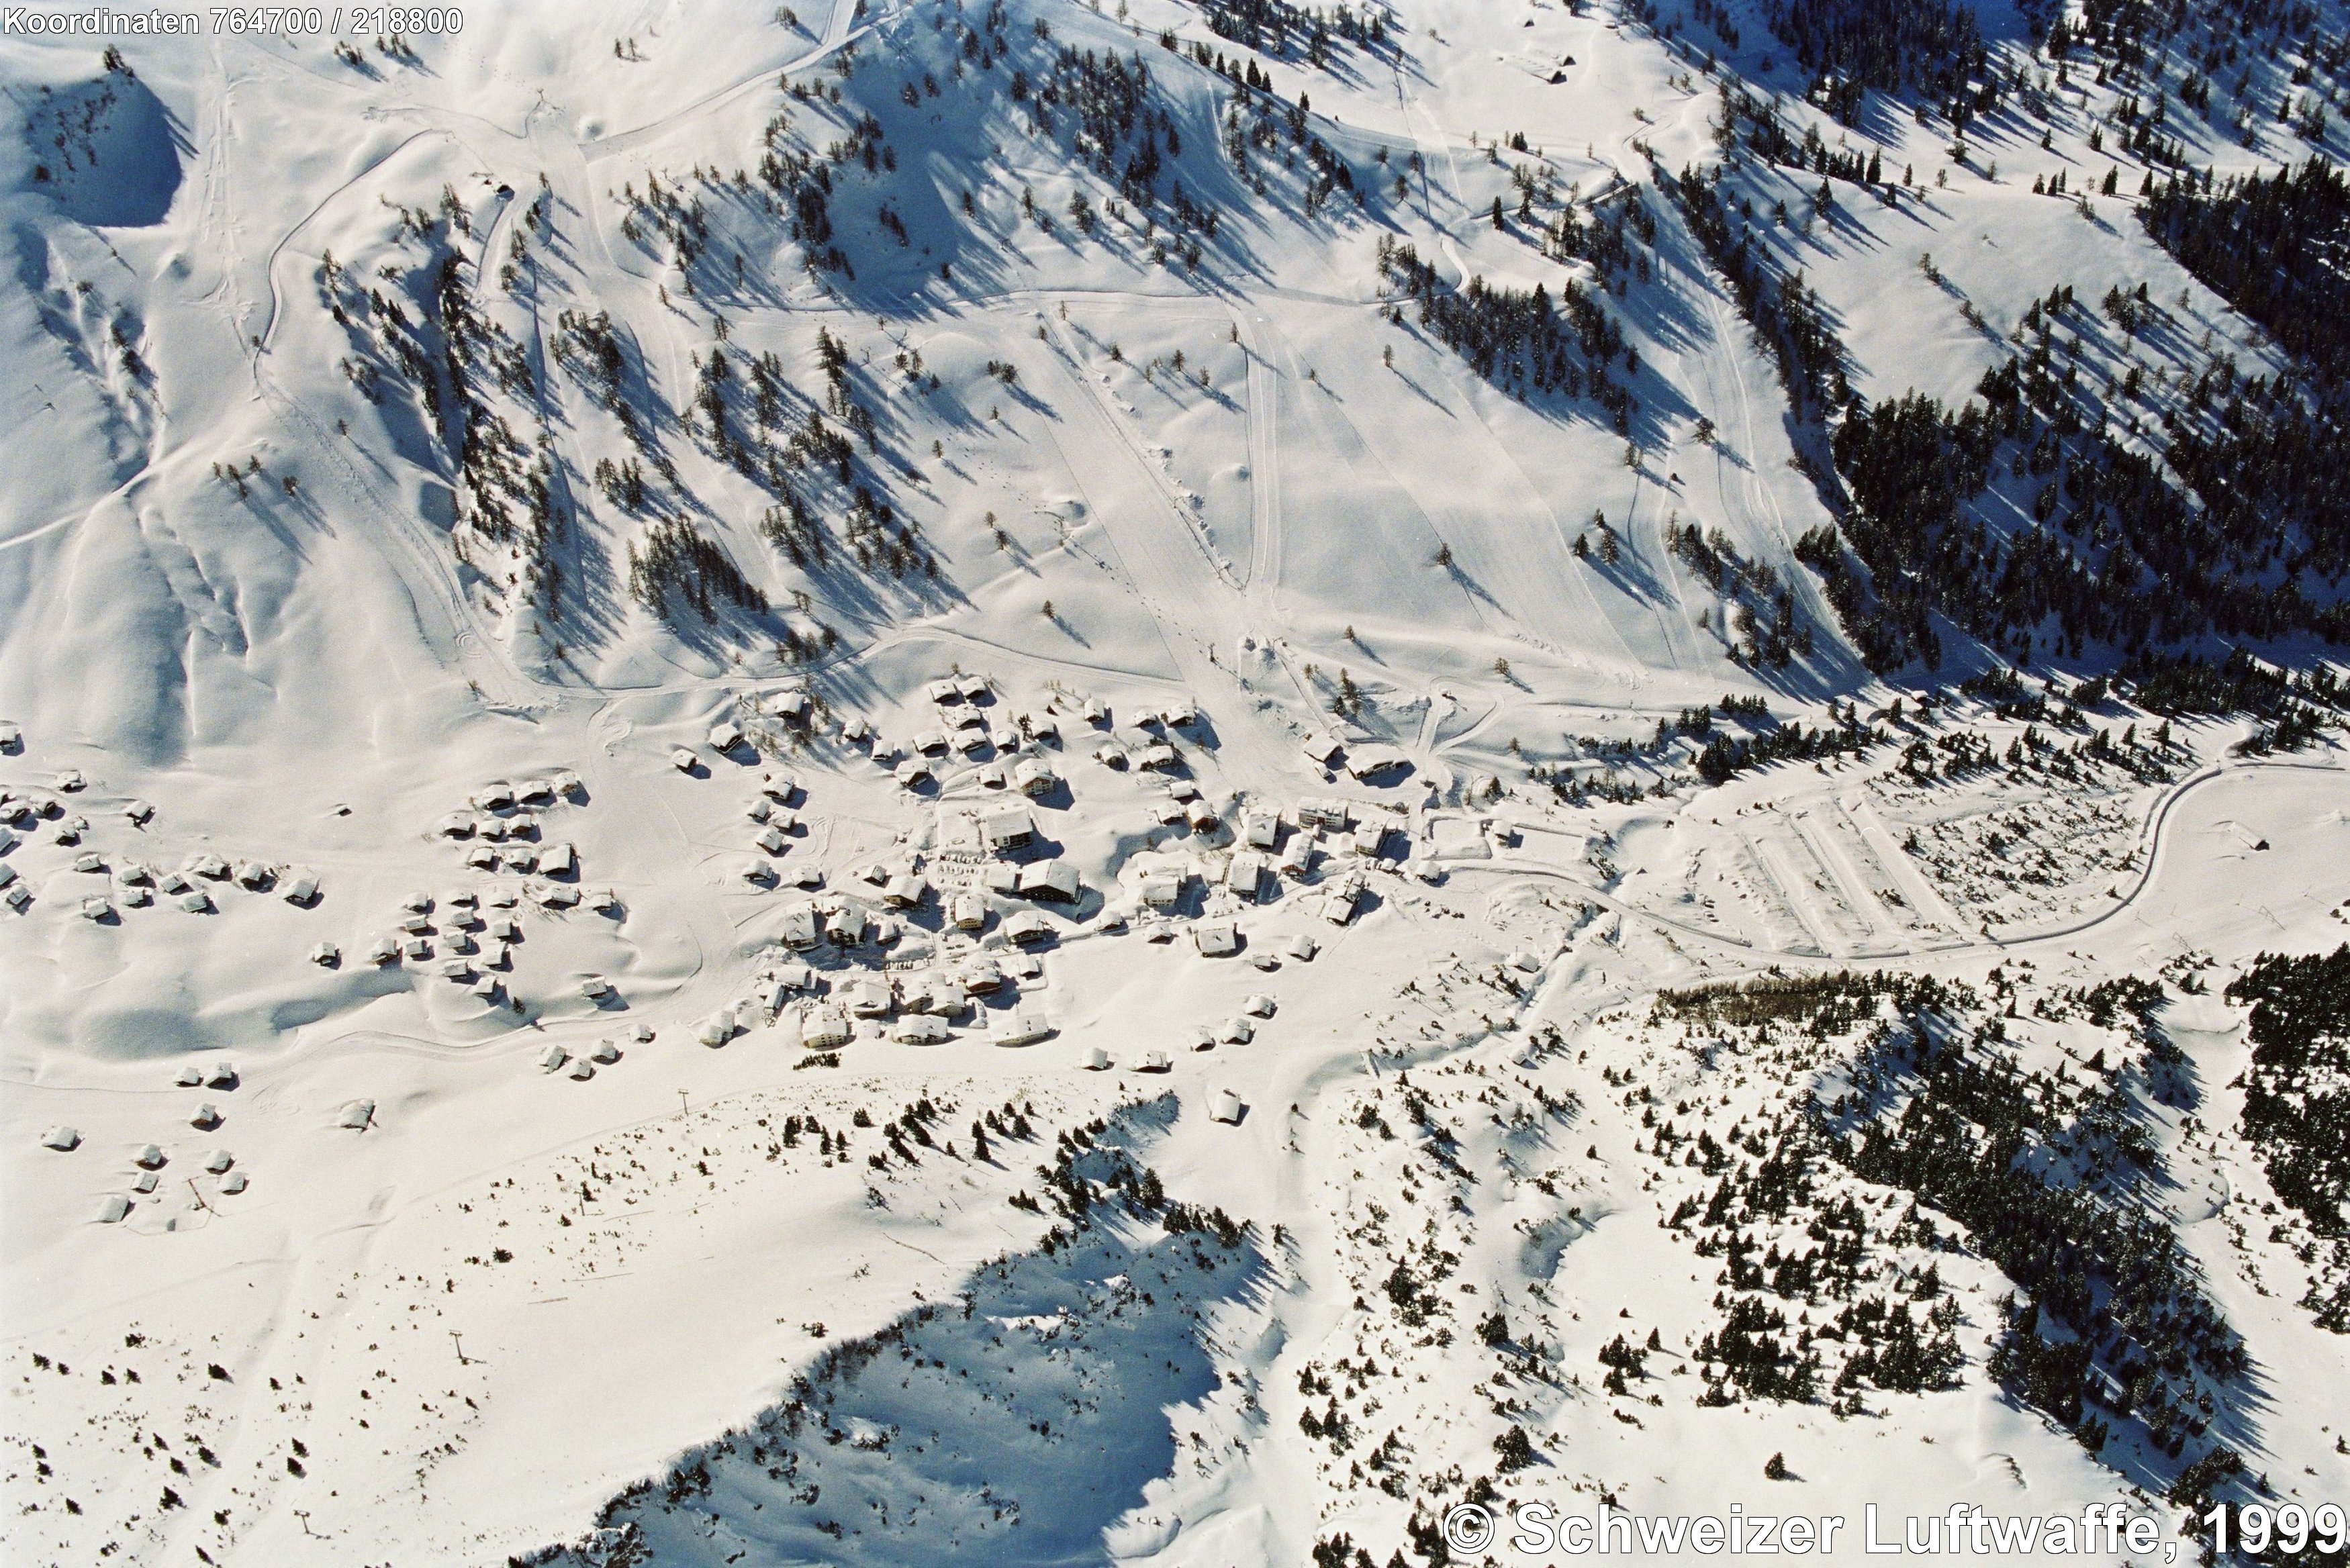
[1014, 1425]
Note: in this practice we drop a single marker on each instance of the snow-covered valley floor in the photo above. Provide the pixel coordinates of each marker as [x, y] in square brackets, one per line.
[1053, 889]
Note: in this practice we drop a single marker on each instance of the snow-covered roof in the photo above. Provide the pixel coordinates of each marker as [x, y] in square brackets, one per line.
[1055, 881]
[1008, 826]
[1216, 938]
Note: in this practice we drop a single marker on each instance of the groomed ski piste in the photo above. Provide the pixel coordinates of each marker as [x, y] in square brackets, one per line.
[818, 788]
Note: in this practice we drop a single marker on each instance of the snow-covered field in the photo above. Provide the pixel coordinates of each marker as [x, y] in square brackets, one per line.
[689, 721]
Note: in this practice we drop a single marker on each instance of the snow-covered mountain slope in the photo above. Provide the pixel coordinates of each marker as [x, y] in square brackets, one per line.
[1023, 781]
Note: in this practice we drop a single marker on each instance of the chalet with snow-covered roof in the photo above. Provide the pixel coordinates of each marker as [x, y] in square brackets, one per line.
[1008, 828]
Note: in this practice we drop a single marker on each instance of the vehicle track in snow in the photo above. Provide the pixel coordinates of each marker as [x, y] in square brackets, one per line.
[2154, 841]
[1263, 575]
[1172, 568]
[838, 31]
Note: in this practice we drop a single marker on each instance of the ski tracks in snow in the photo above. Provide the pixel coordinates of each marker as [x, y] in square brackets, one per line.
[1263, 578]
[1193, 598]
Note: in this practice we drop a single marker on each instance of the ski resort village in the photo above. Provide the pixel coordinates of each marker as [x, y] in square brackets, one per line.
[1202, 783]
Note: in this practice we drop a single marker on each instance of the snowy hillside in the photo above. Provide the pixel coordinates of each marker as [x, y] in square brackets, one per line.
[1174, 781]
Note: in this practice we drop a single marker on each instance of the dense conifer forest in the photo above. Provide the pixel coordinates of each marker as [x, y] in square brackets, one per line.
[2297, 1100]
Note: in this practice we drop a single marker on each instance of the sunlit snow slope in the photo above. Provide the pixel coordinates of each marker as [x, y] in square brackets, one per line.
[542, 567]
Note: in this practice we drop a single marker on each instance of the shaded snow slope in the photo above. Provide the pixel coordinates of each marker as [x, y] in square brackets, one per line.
[820, 788]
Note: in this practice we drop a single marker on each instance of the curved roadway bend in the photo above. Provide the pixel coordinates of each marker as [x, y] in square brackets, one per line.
[838, 32]
[2151, 841]
[419, 561]
[1199, 603]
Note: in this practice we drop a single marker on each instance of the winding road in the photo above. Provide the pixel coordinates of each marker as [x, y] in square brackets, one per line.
[2154, 848]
